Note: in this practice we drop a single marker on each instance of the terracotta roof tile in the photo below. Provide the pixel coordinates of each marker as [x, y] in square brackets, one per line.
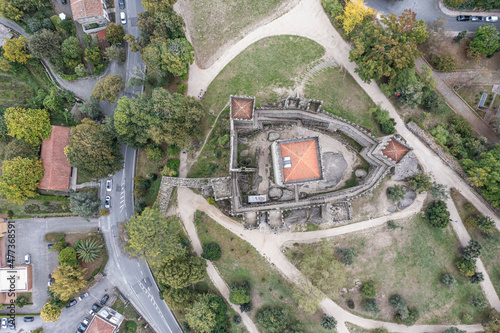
[395, 150]
[304, 160]
[101, 34]
[57, 168]
[99, 325]
[84, 8]
[241, 108]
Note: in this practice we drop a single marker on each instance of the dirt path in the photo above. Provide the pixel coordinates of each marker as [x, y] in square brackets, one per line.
[269, 245]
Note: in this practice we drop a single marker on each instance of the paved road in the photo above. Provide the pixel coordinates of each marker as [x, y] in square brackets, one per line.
[428, 10]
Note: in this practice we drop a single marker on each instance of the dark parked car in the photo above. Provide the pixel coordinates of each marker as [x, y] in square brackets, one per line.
[96, 307]
[477, 18]
[463, 18]
[12, 324]
[104, 299]
[50, 245]
[121, 3]
[28, 319]
[72, 303]
[64, 2]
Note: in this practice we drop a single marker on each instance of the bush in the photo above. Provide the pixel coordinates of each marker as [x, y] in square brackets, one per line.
[211, 201]
[371, 305]
[471, 221]
[152, 176]
[346, 255]
[173, 151]
[68, 256]
[485, 224]
[239, 296]
[212, 252]
[445, 63]
[21, 301]
[168, 172]
[476, 277]
[461, 35]
[383, 118]
[454, 3]
[273, 319]
[466, 267]
[454, 330]
[247, 307]
[154, 153]
[449, 280]
[328, 323]
[139, 205]
[145, 184]
[472, 250]
[421, 182]
[437, 214]
[223, 140]
[350, 304]
[174, 164]
[130, 326]
[479, 302]
[236, 319]
[369, 290]
[396, 193]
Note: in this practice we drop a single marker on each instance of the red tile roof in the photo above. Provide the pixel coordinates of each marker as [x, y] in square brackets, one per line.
[304, 160]
[101, 34]
[241, 108]
[395, 150]
[56, 165]
[99, 325]
[84, 8]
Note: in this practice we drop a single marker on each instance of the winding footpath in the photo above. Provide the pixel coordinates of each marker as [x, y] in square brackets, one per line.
[308, 20]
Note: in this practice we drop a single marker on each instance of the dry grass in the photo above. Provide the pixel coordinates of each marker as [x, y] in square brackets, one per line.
[472, 95]
[215, 23]
[409, 261]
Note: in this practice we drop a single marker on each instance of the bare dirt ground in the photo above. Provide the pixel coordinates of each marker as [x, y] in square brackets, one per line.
[213, 26]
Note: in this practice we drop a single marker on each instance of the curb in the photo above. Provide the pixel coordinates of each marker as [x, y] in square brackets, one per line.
[451, 12]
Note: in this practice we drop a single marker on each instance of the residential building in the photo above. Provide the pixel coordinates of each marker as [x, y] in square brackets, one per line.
[91, 14]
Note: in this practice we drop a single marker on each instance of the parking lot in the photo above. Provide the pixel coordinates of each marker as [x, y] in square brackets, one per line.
[30, 238]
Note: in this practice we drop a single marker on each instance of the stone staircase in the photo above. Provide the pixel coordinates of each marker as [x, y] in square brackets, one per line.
[312, 72]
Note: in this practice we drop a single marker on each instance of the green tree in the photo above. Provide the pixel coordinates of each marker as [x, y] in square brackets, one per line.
[154, 153]
[168, 55]
[167, 24]
[179, 299]
[421, 182]
[53, 102]
[493, 324]
[437, 214]
[132, 120]
[207, 313]
[273, 319]
[371, 305]
[72, 52]
[150, 235]
[68, 281]
[16, 50]
[81, 70]
[307, 298]
[369, 290]
[485, 224]
[85, 204]
[383, 52]
[18, 148]
[454, 330]
[21, 301]
[332, 7]
[108, 89]
[88, 249]
[116, 53]
[396, 193]
[466, 267]
[384, 119]
[154, 6]
[50, 313]
[408, 87]
[115, 33]
[93, 55]
[212, 252]
[20, 178]
[45, 44]
[130, 326]
[239, 296]
[181, 272]
[439, 192]
[92, 109]
[486, 40]
[449, 280]
[323, 270]
[67, 256]
[328, 323]
[29, 125]
[472, 250]
[476, 277]
[445, 62]
[485, 173]
[93, 150]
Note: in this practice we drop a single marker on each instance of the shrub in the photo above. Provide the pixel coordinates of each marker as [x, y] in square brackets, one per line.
[485, 224]
[466, 267]
[476, 277]
[383, 118]
[168, 172]
[239, 296]
[247, 307]
[174, 164]
[472, 250]
[236, 319]
[471, 221]
[130, 326]
[212, 252]
[139, 205]
[396, 193]
[346, 255]
[328, 323]
[479, 302]
[371, 305]
[173, 151]
[449, 280]
[369, 290]
[445, 63]
[454, 3]
[350, 304]
[223, 140]
[211, 201]
[68, 256]
[154, 153]
[273, 319]
[437, 214]
[421, 182]
[21, 301]
[454, 330]
[461, 35]
[145, 184]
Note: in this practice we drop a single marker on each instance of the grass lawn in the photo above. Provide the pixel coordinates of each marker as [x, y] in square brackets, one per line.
[145, 167]
[409, 261]
[490, 254]
[214, 159]
[240, 262]
[130, 314]
[472, 95]
[215, 22]
[342, 96]
[37, 208]
[266, 69]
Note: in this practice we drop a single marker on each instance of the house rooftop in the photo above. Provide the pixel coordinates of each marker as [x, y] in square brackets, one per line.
[242, 107]
[55, 163]
[84, 8]
[99, 325]
[300, 160]
[395, 150]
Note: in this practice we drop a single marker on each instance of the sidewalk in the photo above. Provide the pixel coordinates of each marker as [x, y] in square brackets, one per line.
[451, 12]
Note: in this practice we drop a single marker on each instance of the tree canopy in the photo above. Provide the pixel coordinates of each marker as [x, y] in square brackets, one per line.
[16, 50]
[355, 14]
[485, 173]
[383, 52]
[207, 313]
[20, 178]
[168, 55]
[181, 272]
[45, 44]
[50, 313]
[93, 150]
[68, 281]
[85, 204]
[115, 33]
[152, 236]
[30, 125]
[108, 88]
[486, 40]
[437, 214]
[273, 319]
[71, 51]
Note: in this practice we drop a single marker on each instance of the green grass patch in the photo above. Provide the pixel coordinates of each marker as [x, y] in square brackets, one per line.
[240, 262]
[409, 261]
[263, 70]
[342, 96]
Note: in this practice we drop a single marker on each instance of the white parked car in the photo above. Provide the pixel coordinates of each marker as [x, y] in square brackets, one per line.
[107, 202]
[123, 18]
[4, 322]
[491, 19]
[27, 259]
[109, 185]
